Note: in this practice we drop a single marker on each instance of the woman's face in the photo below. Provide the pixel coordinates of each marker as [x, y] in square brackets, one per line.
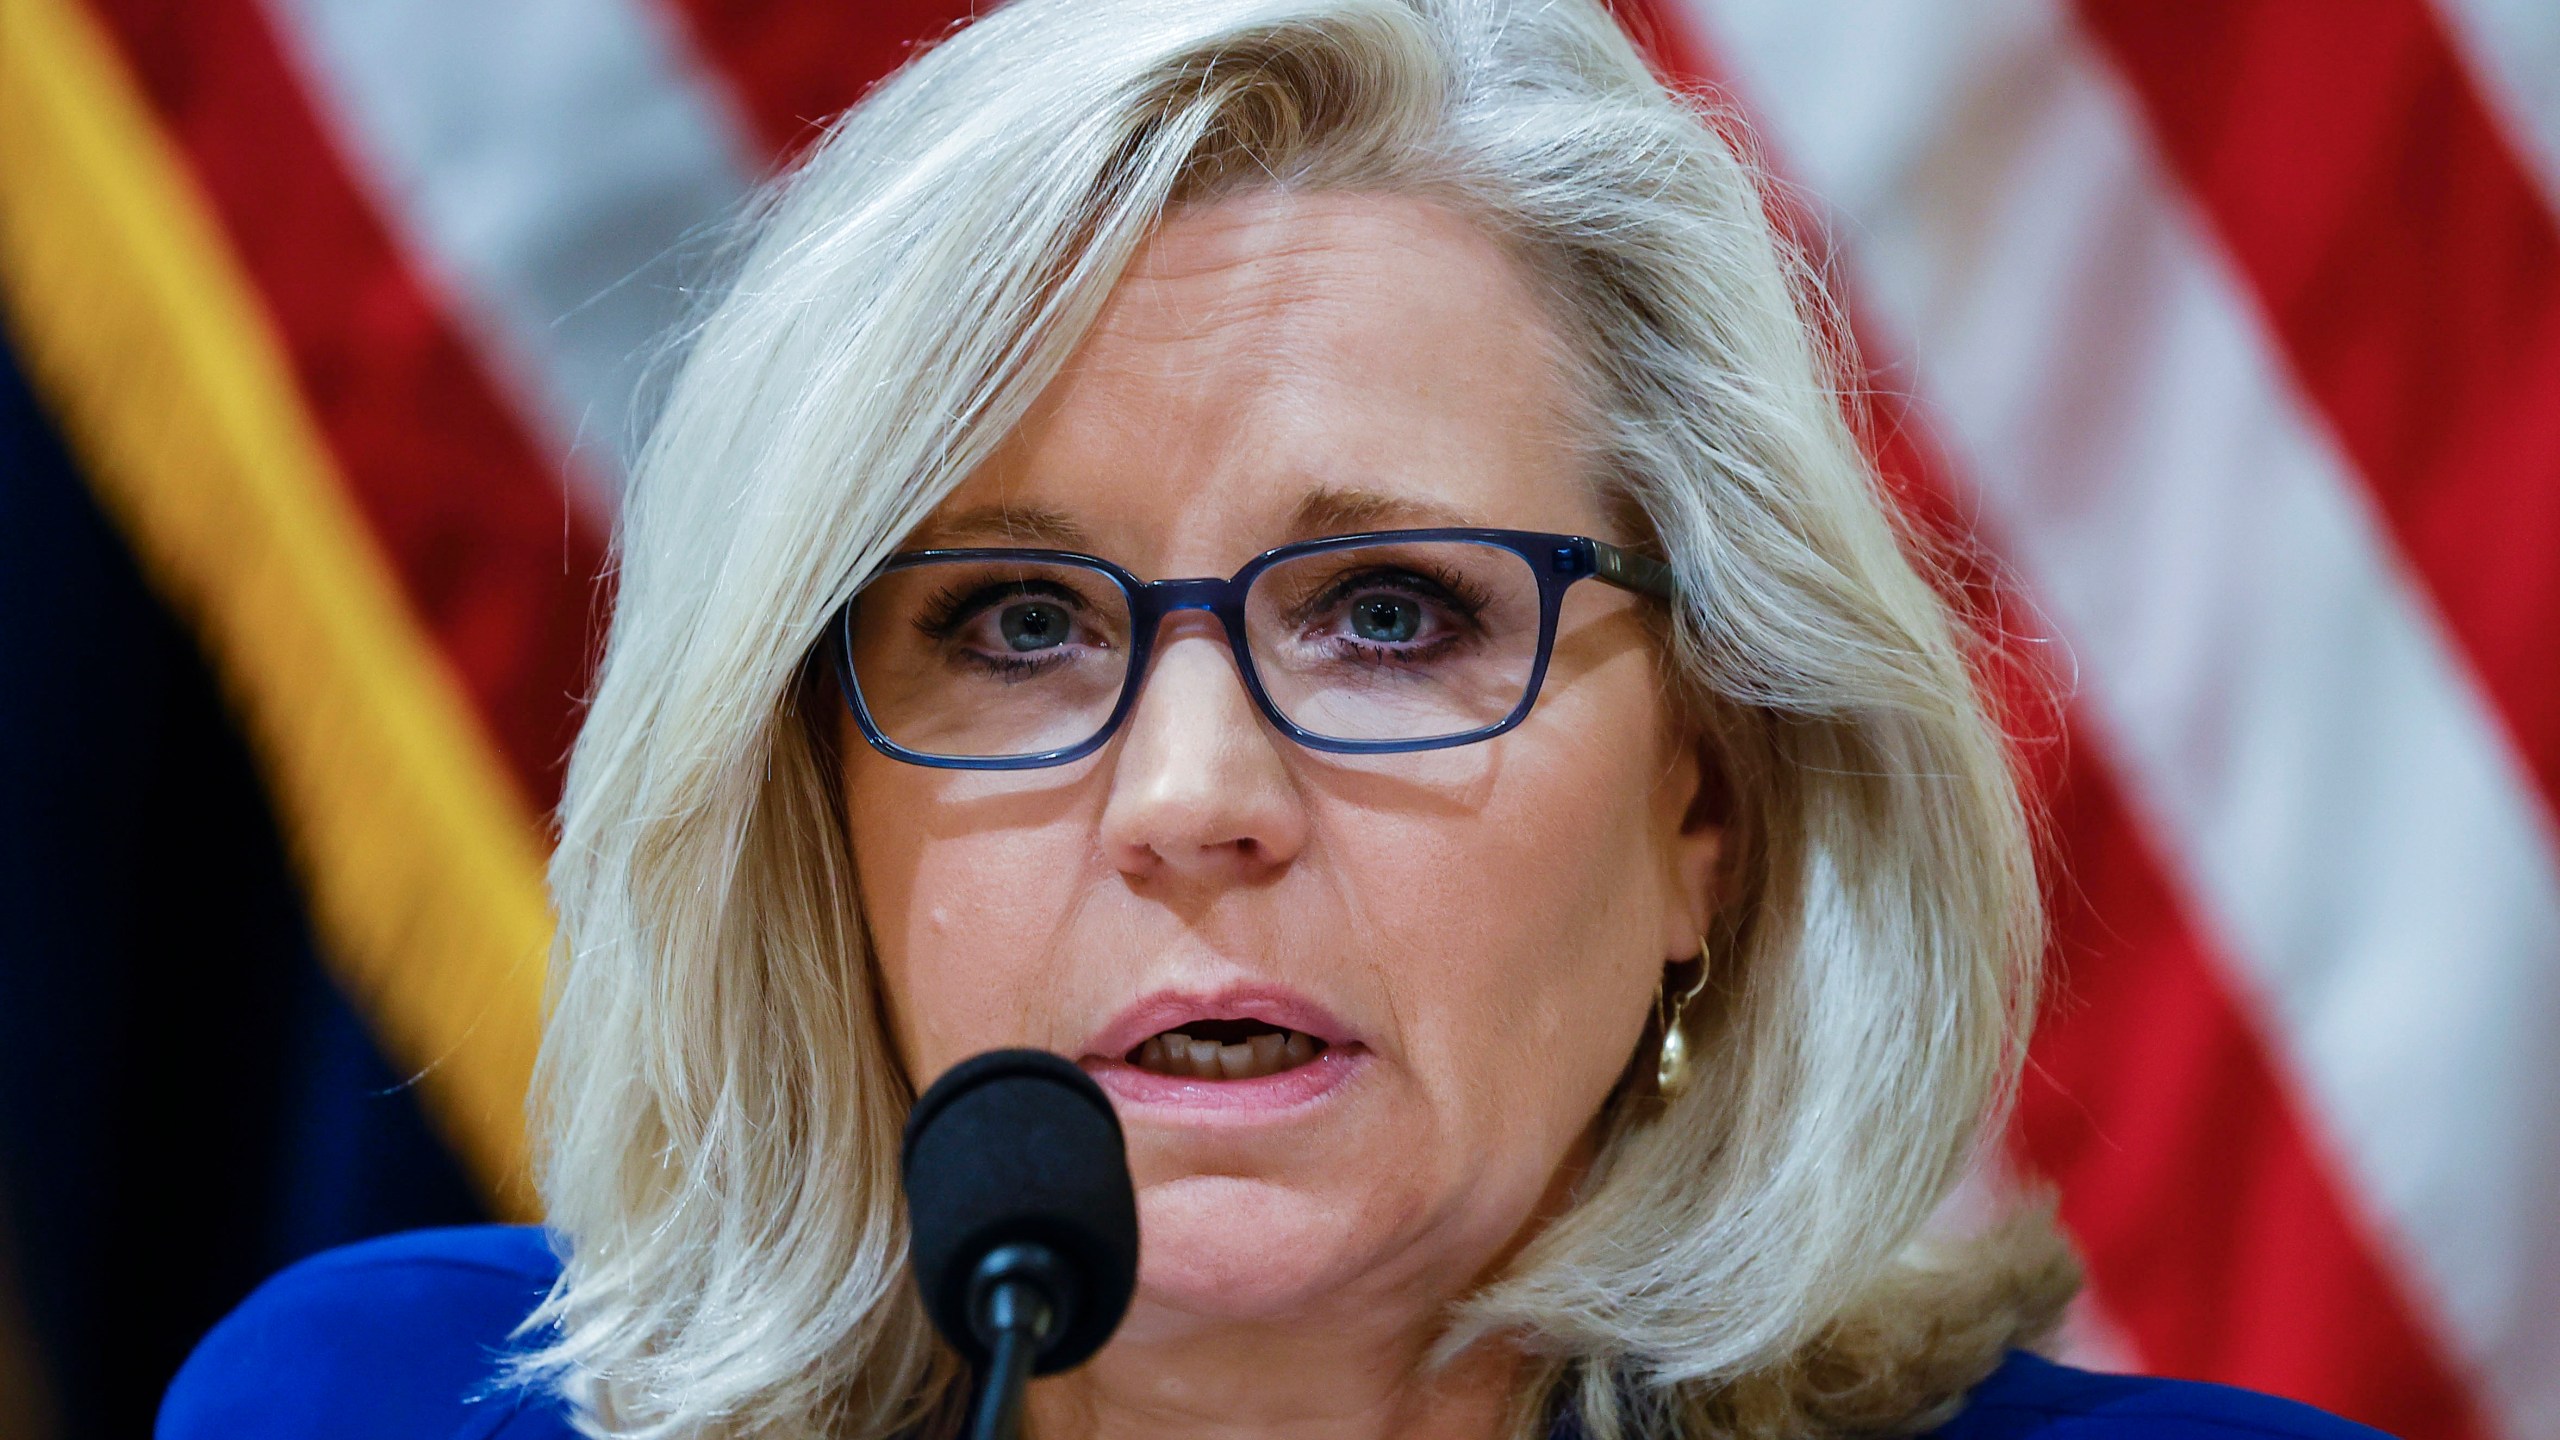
[1467, 940]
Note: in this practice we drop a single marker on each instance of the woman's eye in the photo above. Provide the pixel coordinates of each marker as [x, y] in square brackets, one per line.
[1034, 625]
[1405, 616]
[1386, 619]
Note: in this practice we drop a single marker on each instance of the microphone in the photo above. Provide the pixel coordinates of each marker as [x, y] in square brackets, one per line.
[1023, 1225]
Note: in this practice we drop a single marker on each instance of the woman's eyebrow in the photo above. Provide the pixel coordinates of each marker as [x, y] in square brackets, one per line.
[1004, 524]
[1329, 510]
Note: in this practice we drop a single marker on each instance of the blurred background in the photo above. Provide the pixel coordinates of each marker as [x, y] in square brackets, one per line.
[2228, 333]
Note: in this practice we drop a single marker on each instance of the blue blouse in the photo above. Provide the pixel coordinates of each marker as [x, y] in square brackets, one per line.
[398, 1339]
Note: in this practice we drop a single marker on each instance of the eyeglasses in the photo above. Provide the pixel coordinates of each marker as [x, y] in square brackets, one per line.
[1395, 640]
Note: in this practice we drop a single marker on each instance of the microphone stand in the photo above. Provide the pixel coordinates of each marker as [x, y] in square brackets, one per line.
[1022, 1226]
[1016, 1298]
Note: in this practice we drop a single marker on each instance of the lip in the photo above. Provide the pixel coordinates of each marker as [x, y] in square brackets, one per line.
[1228, 1100]
[1165, 1009]
[1105, 1055]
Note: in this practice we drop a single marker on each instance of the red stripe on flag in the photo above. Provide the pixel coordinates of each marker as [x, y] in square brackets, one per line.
[794, 65]
[2213, 1226]
[2217, 1231]
[2409, 268]
[471, 514]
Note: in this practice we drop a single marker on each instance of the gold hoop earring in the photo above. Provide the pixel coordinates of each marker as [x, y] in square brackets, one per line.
[1671, 1072]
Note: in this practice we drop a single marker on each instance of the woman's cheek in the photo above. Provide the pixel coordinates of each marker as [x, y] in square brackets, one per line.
[1552, 1021]
[967, 959]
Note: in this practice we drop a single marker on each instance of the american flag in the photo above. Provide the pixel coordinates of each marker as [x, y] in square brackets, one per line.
[2226, 332]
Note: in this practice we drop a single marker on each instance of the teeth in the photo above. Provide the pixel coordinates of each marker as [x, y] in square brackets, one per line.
[1174, 1053]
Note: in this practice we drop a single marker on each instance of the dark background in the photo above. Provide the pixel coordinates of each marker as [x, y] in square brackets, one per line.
[186, 1101]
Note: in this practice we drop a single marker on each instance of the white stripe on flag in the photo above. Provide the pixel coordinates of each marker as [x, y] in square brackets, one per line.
[553, 165]
[2513, 48]
[2333, 789]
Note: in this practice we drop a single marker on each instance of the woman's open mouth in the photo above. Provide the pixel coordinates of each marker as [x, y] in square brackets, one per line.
[1225, 1050]
[1224, 1056]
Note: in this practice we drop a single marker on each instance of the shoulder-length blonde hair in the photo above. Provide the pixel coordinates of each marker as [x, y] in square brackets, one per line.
[718, 1108]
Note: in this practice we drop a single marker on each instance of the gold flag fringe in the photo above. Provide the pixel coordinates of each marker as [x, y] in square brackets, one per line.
[422, 862]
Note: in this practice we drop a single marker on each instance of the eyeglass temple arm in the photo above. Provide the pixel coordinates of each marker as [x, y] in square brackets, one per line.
[1630, 571]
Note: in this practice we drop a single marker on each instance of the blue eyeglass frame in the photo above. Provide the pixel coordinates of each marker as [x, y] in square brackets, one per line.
[1559, 561]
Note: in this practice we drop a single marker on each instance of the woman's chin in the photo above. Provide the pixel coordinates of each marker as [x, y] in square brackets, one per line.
[1228, 1248]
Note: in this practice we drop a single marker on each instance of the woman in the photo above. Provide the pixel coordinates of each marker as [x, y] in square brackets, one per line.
[1551, 908]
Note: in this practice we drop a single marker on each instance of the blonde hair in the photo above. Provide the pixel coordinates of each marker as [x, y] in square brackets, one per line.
[718, 1107]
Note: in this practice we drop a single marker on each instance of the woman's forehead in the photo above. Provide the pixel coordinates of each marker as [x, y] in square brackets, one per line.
[1274, 365]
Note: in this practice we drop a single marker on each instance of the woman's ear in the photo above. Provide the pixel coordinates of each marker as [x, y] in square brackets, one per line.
[1700, 845]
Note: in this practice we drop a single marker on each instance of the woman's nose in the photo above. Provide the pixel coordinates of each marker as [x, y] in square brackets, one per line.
[1199, 787]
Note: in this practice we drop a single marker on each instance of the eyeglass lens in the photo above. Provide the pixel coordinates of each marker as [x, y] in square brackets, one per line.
[988, 659]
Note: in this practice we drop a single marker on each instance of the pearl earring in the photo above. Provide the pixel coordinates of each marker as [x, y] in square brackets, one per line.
[1671, 1072]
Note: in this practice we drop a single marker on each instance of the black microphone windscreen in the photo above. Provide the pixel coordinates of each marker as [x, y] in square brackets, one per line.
[1017, 1146]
